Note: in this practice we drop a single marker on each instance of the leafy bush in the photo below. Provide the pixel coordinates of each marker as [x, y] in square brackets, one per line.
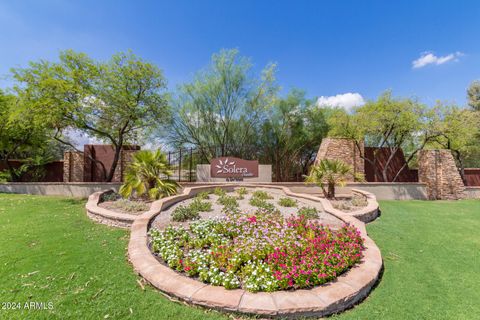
[130, 206]
[308, 213]
[201, 206]
[263, 195]
[262, 204]
[228, 201]
[144, 176]
[203, 195]
[219, 192]
[184, 213]
[5, 176]
[242, 191]
[259, 252]
[110, 196]
[287, 202]
[359, 201]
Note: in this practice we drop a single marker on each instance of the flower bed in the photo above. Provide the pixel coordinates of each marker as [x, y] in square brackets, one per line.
[263, 251]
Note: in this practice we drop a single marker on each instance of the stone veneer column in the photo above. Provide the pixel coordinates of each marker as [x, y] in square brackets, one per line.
[342, 149]
[438, 170]
[73, 166]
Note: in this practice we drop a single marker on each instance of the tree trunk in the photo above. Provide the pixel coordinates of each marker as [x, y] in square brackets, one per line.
[461, 168]
[331, 191]
[116, 158]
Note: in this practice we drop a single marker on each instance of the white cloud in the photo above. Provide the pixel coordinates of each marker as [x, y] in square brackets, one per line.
[430, 58]
[346, 100]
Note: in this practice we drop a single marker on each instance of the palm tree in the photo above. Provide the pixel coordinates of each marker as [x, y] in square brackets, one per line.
[148, 175]
[330, 173]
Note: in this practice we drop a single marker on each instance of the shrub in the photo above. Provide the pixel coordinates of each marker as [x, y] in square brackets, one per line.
[219, 192]
[330, 173]
[203, 195]
[228, 201]
[242, 191]
[130, 206]
[359, 201]
[109, 196]
[183, 213]
[262, 204]
[308, 213]
[263, 195]
[287, 202]
[199, 205]
[143, 176]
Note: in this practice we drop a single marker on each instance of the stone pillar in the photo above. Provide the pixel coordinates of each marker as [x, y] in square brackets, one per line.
[73, 166]
[345, 150]
[438, 170]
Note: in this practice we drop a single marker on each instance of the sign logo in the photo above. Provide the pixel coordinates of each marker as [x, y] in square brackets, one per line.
[227, 167]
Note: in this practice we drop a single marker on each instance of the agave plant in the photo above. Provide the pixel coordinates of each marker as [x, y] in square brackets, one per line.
[329, 173]
[147, 175]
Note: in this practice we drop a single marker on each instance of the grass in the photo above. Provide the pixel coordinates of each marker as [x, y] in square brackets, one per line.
[51, 252]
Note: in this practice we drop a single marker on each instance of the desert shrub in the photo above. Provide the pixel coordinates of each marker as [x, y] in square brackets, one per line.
[219, 192]
[203, 195]
[287, 202]
[242, 191]
[228, 201]
[262, 204]
[129, 205]
[359, 201]
[263, 195]
[341, 205]
[201, 206]
[184, 213]
[308, 212]
[110, 196]
[143, 177]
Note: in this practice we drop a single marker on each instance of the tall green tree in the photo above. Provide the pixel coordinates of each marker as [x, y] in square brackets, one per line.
[220, 111]
[473, 95]
[458, 129]
[388, 122]
[21, 136]
[117, 101]
[291, 135]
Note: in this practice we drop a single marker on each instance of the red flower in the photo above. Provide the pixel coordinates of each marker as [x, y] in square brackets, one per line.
[252, 219]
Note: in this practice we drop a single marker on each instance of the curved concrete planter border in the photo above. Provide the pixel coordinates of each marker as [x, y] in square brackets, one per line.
[336, 296]
[105, 216]
[366, 214]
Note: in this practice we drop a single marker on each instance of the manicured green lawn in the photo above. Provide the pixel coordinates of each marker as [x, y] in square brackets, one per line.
[51, 252]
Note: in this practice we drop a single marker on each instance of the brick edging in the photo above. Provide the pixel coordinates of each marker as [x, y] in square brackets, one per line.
[105, 216]
[335, 296]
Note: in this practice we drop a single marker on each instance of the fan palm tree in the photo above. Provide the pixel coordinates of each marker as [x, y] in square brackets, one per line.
[147, 175]
[329, 173]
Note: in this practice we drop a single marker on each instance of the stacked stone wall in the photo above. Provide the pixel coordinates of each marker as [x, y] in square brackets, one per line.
[344, 150]
[73, 166]
[438, 170]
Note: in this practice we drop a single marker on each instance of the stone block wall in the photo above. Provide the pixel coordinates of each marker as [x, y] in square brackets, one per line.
[438, 170]
[73, 166]
[342, 149]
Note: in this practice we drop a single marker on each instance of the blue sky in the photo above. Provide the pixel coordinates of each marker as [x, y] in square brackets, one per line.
[324, 47]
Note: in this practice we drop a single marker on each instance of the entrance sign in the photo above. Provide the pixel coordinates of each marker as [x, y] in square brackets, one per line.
[231, 167]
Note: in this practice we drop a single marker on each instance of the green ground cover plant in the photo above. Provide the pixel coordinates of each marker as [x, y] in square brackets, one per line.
[287, 202]
[308, 212]
[130, 205]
